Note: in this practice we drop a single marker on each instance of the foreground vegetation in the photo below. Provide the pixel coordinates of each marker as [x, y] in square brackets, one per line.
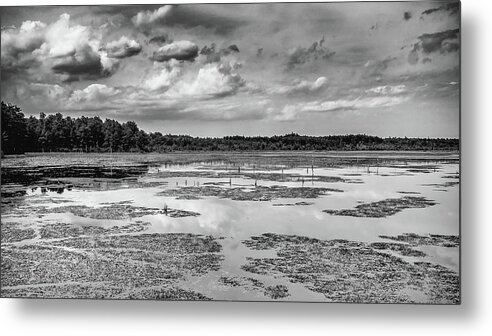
[55, 132]
[147, 266]
[350, 271]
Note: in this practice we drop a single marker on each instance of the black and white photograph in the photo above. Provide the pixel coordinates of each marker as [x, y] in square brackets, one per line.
[272, 152]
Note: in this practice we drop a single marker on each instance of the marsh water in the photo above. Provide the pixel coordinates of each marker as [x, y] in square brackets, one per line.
[231, 221]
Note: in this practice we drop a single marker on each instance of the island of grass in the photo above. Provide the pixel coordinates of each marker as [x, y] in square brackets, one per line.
[432, 239]
[119, 211]
[259, 193]
[384, 208]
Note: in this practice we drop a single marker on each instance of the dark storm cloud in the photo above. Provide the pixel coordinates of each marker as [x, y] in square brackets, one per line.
[59, 47]
[179, 50]
[12, 67]
[407, 16]
[123, 48]
[17, 47]
[452, 8]
[300, 55]
[83, 64]
[444, 42]
[232, 48]
[161, 39]
[15, 71]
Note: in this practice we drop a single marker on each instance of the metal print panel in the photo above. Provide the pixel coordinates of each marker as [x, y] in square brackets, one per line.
[247, 152]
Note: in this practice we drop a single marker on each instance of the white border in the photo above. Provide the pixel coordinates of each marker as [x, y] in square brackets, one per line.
[473, 317]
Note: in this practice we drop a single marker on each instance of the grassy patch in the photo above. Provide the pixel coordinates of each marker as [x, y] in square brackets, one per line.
[252, 284]
[346, 271]
[169, 294]
[11, 232]
[293, 204]
[402, 249]
[260, 193]
[117, 211]
[108, 266]
[409, 192]
[442, 185]
[433, 239]
[64, 230]
[384, 208]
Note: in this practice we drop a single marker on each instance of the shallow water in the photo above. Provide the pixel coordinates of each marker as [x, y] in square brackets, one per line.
[235, 221]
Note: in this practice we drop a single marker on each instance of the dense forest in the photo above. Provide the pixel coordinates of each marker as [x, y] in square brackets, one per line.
[65, 134]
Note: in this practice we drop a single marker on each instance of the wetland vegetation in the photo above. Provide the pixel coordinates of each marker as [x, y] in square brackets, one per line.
[248, 226]
[348, 271]
[384, 208]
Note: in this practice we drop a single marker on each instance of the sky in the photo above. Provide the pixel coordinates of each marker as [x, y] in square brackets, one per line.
[385, 69]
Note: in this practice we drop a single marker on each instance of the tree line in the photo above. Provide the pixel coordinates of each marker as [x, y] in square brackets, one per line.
[57, 133]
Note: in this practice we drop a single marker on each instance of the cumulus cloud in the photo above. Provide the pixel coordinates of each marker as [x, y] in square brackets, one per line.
[288, 113]
[163, 76]
[122, 48]
[300, 55]
[93, 93]
[68, 50]
[179, 50]
[301, 87]
[109, 65]
[147, 18]
[213, 80]
[174, 80]
[29, 37]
